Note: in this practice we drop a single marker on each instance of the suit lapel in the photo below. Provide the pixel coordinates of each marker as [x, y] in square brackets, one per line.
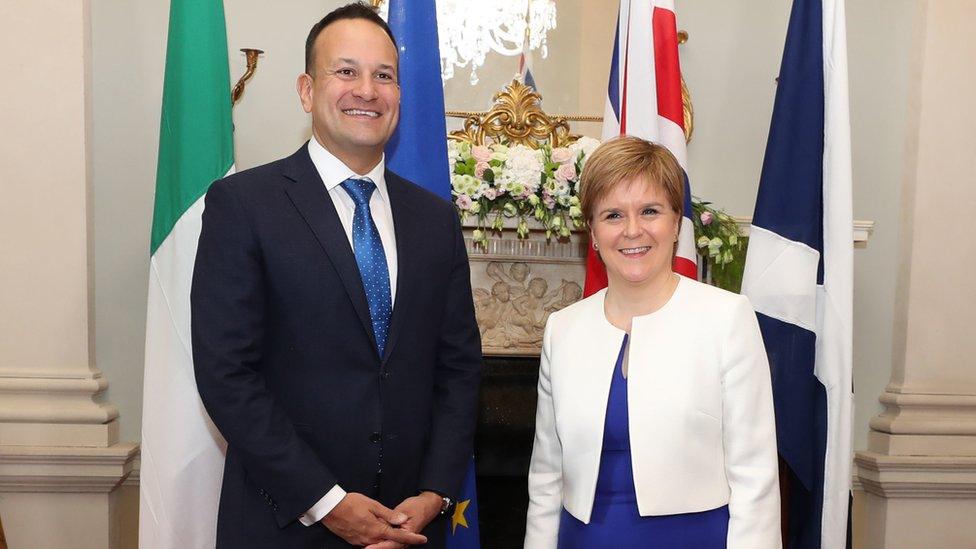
[309, 196]
[409, 239]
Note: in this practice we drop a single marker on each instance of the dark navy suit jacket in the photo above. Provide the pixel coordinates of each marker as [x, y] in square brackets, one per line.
[287, 366]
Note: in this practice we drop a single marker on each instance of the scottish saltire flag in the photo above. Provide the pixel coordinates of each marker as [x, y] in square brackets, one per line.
[182, 452]
[418, 151]
[644, 100]
[799, 272]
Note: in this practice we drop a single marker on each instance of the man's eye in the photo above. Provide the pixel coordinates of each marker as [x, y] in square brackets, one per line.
[346, 73]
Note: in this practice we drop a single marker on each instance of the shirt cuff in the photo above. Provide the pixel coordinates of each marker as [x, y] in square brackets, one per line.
[323, 506]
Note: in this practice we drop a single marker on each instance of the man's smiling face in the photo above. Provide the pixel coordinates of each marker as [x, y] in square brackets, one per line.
[352, 93]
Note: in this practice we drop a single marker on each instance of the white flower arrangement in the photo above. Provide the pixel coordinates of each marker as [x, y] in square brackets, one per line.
[497, 181]
[718, 237]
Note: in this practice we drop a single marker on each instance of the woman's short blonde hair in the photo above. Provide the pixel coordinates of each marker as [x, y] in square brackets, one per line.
[627, 159]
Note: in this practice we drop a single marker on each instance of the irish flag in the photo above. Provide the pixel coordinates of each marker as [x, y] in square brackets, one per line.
[182, 452]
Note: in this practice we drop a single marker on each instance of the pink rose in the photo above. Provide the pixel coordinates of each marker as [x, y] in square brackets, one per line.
[566, 172]
[562, 155]
[463, 201]
[491, 193]
[481, 153]
[706, 218]
[479, 169]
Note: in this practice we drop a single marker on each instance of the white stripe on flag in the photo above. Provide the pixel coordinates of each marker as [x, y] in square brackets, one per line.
[780, 278]
[686, 246]
[182, 451]
[641, 77]
[835, 354]
[673, 138]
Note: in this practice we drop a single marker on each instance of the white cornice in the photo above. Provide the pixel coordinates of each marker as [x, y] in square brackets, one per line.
[862, 229]
[65, 469]
[945, 477]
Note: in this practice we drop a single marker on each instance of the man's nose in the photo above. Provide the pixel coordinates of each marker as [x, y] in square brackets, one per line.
[365, 87]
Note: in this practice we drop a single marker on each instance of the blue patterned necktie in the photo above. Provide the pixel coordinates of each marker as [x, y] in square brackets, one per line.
[368, 248]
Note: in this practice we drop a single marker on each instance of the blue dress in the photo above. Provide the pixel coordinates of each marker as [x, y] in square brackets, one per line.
[615, 522]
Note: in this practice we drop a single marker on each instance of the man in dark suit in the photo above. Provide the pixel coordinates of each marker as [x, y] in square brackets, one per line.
[334, 338]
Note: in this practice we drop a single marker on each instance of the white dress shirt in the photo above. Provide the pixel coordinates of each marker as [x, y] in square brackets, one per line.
[333, 172]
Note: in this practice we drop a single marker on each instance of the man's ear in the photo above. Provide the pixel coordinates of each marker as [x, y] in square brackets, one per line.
[304, 88]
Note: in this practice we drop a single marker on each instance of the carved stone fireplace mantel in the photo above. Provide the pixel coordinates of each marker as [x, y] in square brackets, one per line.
[517, 283]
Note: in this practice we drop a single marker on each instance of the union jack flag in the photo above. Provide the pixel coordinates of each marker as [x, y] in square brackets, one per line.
[644, 100]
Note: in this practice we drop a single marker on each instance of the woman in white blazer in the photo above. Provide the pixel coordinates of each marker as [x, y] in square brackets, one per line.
[674, 444]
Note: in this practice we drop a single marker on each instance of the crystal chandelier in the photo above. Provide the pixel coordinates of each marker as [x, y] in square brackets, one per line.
[468, 30]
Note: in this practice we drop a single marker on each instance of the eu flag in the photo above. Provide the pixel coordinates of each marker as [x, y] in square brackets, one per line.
[418, 148]
[418, 152]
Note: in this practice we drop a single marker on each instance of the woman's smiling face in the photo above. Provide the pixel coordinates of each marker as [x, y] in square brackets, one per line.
[635, 230]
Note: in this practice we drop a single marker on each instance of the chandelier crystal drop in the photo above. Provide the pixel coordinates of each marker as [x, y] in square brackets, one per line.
[469, 30]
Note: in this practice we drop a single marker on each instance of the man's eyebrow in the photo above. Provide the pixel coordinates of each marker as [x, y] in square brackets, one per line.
[350, 61]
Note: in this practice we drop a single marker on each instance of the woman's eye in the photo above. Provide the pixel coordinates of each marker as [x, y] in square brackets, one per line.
[649, 211]
[613, 215]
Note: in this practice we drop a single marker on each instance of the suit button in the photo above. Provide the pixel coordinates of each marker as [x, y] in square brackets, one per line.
[375, 437]
[385, 375]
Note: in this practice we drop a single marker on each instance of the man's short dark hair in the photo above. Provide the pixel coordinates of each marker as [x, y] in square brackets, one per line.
[355, 10]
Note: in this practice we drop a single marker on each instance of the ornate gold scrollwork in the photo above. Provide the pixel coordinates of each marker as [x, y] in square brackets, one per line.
[516, 118]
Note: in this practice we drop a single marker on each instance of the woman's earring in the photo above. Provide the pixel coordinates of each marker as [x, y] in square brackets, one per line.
[595, 247]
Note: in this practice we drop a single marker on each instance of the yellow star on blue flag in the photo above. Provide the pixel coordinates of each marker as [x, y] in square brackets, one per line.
[458, 517]
[466, 516]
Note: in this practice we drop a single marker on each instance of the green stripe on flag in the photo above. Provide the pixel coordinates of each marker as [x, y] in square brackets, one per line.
[196, 144]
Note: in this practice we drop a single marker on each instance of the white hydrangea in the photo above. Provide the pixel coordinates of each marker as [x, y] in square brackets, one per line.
[584, 144]
[521, 171]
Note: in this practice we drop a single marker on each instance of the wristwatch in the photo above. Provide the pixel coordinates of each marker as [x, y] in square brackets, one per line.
[447, 508]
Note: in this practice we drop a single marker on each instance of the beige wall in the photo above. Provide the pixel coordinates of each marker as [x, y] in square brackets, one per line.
[730, 64]
[938, 324]
[879, 55]
[128, 42]
[45, 277]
